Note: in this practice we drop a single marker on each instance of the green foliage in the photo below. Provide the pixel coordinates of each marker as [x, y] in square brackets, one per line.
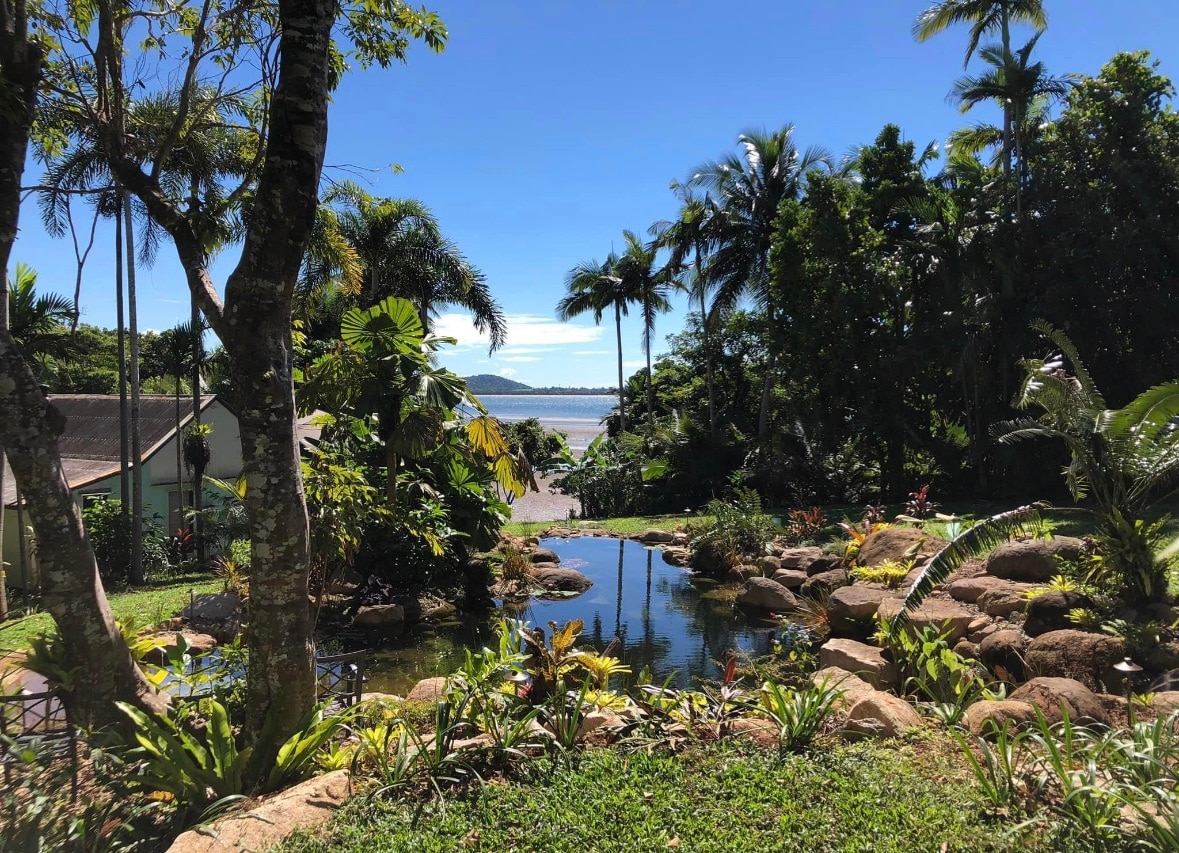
[890, 573]
[529, 437]
[933, 671]
[109, 531]
[799, 714]
[804, 525]
[737, 529]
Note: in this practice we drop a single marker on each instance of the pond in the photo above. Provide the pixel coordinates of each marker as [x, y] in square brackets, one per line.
[677, 625]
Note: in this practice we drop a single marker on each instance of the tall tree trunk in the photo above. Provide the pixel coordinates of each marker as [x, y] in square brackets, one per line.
[29, 427]
[621, 400]
[124, 403]
[179, 457]
[767, 385]
[22, 543]
[198, 488]
[136, 443]
[650, 392]
[3, 458]
[708, 369]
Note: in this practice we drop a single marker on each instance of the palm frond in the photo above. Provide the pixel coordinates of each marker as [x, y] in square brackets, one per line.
[979, 540]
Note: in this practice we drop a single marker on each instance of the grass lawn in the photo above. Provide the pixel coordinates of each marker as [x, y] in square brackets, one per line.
[146, 605]
[721, 797]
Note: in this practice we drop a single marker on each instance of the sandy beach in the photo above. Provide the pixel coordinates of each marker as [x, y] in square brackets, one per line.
[547, 505]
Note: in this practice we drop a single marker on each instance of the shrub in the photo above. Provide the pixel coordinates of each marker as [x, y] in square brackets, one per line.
[737, 529]
[109, 531]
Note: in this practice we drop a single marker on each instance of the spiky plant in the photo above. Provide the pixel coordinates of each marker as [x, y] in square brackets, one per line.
[1125, 460]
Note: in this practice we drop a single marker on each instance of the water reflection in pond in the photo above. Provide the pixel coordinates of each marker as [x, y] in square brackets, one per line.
[675, 624]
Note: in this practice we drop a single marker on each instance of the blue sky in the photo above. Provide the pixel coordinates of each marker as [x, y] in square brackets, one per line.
[546, 128]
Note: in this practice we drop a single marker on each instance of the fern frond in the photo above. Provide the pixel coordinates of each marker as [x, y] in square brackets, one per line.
[975, 542]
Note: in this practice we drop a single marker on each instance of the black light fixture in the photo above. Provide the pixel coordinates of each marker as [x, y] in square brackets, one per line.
[1128, 669]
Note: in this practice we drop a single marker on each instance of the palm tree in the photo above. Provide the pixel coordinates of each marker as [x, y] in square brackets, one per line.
[984, 17]
[392, 247]
[1018, 84]
[749, 189]
[593, 288]
[649, 288]
[691, 235]
[39, 322]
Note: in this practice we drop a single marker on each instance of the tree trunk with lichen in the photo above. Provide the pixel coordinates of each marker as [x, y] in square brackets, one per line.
[29, 427]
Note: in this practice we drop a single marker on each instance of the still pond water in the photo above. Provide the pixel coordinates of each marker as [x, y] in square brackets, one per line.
[677, 628]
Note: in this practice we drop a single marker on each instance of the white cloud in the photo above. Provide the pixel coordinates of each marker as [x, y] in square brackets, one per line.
[634, 365]
[522, 358]
[524, 330]
[593, 352]
[507, 371]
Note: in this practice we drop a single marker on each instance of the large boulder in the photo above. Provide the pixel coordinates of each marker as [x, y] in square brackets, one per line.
[303, 806]
[791, 578]
[1050, 695]
[1033, 560]
[824, 582]
[1087, 657]
[544, 555]
[799, 558]
[220, 614]
[867, 662]
[882, 715]
[428, 690]
[1003, 654]
[1005, 598]
[766, 594]
[936, 612]
[198, 646]
[379, 615]
[850, 607]
[969, 589]
[654, 536]
[677, 555]
[991, 715]
[1049, 611]
[1164, 656]
[852, 687]
[893, 543]
[769, 565]
[557, 579]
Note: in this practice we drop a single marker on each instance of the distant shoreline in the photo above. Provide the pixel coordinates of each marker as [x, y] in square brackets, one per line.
[551, 392]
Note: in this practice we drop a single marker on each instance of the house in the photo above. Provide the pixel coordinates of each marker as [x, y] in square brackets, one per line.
[90, 456]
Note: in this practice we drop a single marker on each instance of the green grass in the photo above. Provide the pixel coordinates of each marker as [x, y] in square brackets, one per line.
[722, 797]
[146, 606]
[624, 526]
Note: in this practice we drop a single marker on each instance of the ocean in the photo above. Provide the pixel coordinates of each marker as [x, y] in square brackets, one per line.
[579, 416]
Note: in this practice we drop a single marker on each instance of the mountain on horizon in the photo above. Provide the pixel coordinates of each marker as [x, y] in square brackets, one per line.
[489, 383]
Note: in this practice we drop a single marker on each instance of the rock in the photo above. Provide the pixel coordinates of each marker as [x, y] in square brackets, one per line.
[376, 615]
[654, 536]
[823, 564]
[600, 718]
[893, 543]
[544, 555]
[969, 589]
[766, 594]
[991, 715]
[981, 627]
[966, 649]
[1164, 704]
[427, 690]
[937, 612]
[853, 686]
[790, 578]
[761, 731]
[1002, 653]
[849, 607]
[1166, 683]
[198, 646]
[1082, 655]
[440, 612]
[769, 565]
[1005, 598]
[799, 558]
[1164, 656]
[881, 715]
[1033, 560]
[1049, 612]
[561, 580]
[677, 556]
[217, 613]
[860, 659]
[1051, 694]
[304, 806]
[824, 582]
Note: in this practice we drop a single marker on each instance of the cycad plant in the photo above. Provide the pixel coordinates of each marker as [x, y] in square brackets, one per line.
[1123, 460]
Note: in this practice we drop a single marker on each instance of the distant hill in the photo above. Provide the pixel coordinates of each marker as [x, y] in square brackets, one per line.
[487, 383]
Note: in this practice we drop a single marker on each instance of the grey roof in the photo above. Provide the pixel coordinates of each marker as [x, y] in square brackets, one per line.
[89, 446]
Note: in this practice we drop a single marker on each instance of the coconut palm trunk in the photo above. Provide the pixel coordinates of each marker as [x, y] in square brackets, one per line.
[198, 359]
[136, 444]
[124, 402]
[621, 382]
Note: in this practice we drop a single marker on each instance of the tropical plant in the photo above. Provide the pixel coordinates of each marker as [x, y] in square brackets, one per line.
[890, 573]
[38, 322]
[735, 530]
[749, 190]
[1125, 460]
[799, 714]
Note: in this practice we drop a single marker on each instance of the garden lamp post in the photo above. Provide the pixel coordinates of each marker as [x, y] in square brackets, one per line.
[1128, 670]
